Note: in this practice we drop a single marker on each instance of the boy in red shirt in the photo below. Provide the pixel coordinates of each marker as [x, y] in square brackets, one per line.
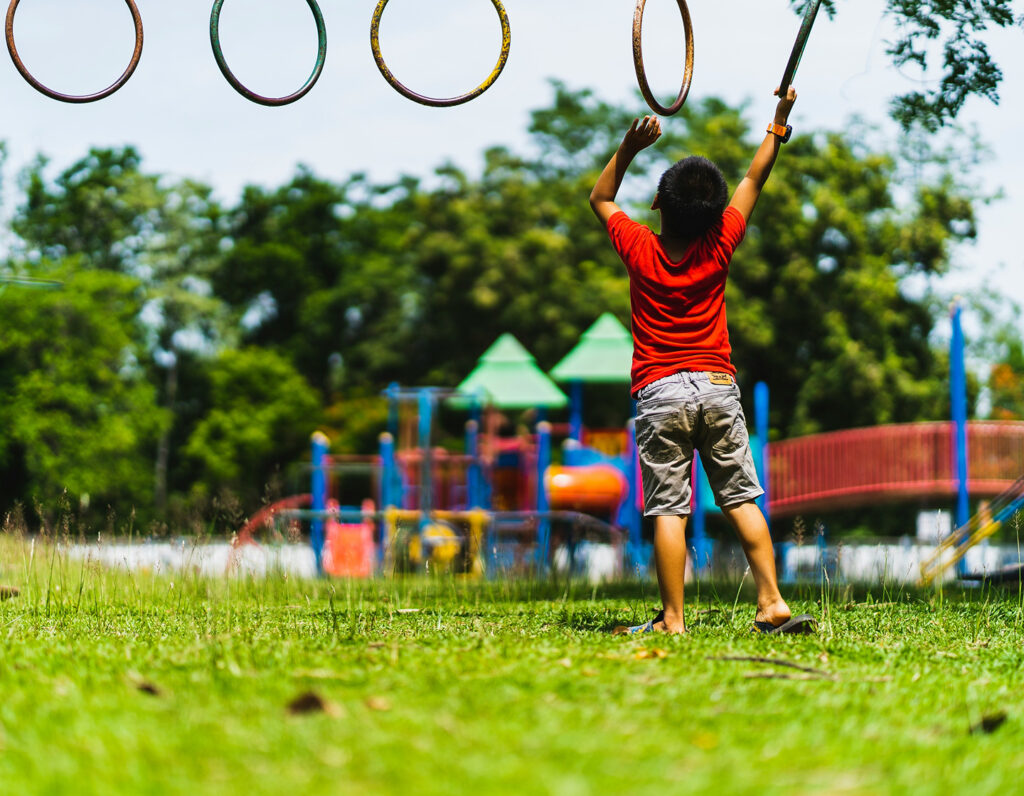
[682, 379]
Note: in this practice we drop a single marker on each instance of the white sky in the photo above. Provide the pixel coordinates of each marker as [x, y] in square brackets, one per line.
[187, 121]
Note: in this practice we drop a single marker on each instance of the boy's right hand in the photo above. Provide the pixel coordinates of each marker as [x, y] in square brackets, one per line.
[785, 105]
[641, 135]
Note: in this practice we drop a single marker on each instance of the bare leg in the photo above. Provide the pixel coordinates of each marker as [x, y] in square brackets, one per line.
[752, 530]
[670, 561]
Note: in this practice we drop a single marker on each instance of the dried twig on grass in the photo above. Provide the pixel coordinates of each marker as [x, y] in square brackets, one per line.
[772, 662]
[787, 676]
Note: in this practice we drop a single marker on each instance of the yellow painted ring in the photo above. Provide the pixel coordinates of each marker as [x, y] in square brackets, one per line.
[405, 91]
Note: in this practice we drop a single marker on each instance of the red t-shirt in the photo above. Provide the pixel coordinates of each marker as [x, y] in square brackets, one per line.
[678, 307]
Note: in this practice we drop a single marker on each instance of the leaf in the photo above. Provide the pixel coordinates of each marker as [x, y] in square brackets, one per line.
[311, 702]
[147, 687]
[648, 653]
[381, 704]
[989, 723]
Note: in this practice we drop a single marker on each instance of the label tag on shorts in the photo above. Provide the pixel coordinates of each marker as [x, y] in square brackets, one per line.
[720, 378]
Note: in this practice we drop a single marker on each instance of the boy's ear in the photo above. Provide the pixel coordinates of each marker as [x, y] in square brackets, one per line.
[654, 204]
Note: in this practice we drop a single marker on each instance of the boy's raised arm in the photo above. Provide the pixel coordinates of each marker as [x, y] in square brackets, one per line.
[749, 189]
[640, 135]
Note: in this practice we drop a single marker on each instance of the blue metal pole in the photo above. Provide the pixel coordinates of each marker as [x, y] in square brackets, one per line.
[544, 524]
[426, 407]
[958, 400]
[576, 411]
[476, 414]
[319, 490]
[761, 405]
[634, 522]
[390, 490]
[390, 486]
[474, 479]
[701, 547]
[393, 408]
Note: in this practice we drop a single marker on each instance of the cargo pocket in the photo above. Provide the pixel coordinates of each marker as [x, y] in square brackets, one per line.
[655, 437]
[727, 431]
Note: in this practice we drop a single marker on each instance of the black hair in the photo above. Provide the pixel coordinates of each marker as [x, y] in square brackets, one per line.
[692, 195]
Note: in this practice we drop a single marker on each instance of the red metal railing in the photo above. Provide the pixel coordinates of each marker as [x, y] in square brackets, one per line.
[849, 469]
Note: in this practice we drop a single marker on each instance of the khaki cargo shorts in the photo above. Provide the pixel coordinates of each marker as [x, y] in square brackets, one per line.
[684, 412]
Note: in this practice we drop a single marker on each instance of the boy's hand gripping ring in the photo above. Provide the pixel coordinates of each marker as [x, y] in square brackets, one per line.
[798, 47]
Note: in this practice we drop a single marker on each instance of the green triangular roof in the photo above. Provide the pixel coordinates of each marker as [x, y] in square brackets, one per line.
[604, 354]
[507, 377]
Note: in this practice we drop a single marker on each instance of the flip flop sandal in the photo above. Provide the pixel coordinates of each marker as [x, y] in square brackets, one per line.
[805, 623]
[624, 630]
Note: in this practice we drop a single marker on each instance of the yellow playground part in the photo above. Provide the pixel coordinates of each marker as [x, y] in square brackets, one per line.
[440, 541]
[981, 526]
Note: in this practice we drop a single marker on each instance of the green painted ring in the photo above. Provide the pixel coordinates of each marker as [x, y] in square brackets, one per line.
[638, 60]
[506, 44]
[12, 48]
[810, 14]
[237, 85]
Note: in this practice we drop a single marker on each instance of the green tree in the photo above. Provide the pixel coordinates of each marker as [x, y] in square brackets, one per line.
[76, 410]
[106, 213]
[260, 415]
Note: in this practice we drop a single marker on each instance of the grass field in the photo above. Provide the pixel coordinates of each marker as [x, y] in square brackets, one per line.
[113, 683]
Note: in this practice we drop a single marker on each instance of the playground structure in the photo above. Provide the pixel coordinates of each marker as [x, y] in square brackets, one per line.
[500, 504]
[504, 503]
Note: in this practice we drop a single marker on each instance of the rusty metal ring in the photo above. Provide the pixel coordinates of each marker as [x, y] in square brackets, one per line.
[49, 92]
[798, 48]
[638, 60]
[506, 43]
[236, 84]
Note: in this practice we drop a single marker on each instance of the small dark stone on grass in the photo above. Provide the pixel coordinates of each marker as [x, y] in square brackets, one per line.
[989, 723]
[149, 688]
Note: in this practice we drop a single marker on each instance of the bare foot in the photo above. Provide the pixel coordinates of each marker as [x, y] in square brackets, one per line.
[773, 613]
[672, 624]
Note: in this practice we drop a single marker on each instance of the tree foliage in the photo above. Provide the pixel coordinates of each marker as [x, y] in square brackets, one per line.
[76, 409]
[952, 33]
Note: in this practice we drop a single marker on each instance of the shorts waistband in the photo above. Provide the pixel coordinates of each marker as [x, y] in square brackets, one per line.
[694, 377]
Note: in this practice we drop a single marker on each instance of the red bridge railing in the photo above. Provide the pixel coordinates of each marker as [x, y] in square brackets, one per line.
[858, 467]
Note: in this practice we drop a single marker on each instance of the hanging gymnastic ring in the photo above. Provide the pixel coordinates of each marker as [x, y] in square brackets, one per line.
[798, 48]
[236, 84]
[49, 92]
[638, 60]
[506, 43]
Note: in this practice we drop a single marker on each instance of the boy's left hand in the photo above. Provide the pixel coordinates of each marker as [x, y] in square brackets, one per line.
[642, 134]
